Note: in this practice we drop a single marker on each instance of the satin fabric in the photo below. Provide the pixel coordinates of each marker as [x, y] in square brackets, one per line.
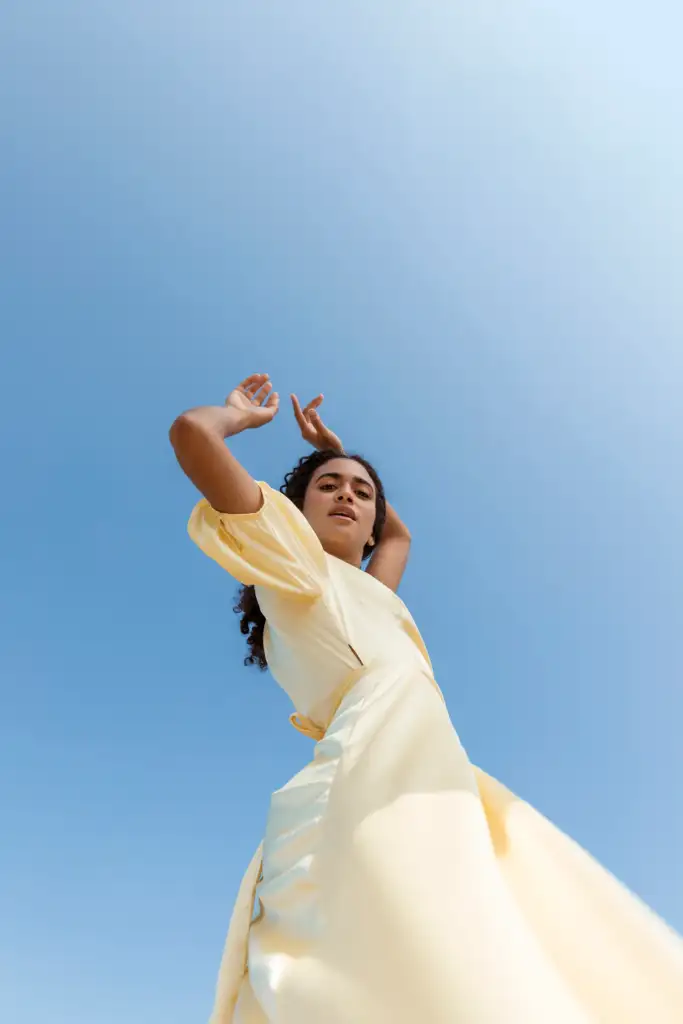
[397, 883]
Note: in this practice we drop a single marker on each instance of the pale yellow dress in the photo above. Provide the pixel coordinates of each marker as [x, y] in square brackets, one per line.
[397, 883]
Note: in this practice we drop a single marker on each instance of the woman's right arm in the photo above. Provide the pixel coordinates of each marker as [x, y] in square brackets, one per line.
[198, 439]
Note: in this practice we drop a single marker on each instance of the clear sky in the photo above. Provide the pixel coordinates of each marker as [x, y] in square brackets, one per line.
[463, 223]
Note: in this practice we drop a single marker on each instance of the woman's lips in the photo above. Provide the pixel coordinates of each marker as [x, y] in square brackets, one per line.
[344, 516]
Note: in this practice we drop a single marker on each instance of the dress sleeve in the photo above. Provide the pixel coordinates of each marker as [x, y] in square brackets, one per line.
[274, 547]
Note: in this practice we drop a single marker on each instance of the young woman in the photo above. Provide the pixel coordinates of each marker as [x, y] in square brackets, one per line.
[396, 884]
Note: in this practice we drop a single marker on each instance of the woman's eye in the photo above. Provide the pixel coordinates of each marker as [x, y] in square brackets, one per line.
[327, 487]
[364, 494]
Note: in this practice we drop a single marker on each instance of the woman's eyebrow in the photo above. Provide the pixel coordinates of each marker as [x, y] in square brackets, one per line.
[355, 479]
[363, 481]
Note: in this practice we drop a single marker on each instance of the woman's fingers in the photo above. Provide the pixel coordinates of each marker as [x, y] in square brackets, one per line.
[324, 433]
[253, 382]
[262, 392]
[313, 404]
[298, 413]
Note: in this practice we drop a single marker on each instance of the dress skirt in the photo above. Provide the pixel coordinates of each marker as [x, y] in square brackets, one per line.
[398, 884]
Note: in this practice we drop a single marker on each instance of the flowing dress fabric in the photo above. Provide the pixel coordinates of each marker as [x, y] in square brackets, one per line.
[397, 883]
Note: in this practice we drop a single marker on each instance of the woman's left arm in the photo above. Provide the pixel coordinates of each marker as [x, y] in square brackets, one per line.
[390, 557]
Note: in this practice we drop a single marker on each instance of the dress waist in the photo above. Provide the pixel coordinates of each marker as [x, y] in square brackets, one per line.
[316, 730]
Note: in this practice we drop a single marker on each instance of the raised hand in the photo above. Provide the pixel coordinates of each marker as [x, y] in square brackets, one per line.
[254, 401]
[312, 427]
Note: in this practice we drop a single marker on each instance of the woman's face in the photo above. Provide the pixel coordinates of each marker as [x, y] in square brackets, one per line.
[340, 506]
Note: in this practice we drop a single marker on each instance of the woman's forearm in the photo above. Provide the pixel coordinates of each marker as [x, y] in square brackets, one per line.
[223, 420]
[198, 439]
[394, 525]
[390, 556]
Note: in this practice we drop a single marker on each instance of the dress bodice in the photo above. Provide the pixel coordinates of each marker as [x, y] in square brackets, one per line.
[324, 617]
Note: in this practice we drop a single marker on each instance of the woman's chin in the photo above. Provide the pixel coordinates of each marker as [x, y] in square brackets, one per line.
[340, 543]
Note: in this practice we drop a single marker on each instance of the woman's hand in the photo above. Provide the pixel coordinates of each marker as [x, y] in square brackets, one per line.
[198, 438]
[312, 427]
[253, 402]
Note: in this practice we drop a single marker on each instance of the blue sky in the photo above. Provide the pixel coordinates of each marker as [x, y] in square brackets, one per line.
[463, 224]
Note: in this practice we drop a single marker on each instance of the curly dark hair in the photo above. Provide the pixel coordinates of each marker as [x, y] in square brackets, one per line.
[294, 487]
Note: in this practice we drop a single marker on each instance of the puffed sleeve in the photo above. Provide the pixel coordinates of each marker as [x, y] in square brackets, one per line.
[274, 547]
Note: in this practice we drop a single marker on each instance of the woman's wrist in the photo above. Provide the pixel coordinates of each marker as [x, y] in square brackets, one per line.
[220, 419]
[237, 420]
[328, 444]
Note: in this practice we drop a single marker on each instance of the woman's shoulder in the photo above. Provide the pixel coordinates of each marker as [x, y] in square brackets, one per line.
[273, 547]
